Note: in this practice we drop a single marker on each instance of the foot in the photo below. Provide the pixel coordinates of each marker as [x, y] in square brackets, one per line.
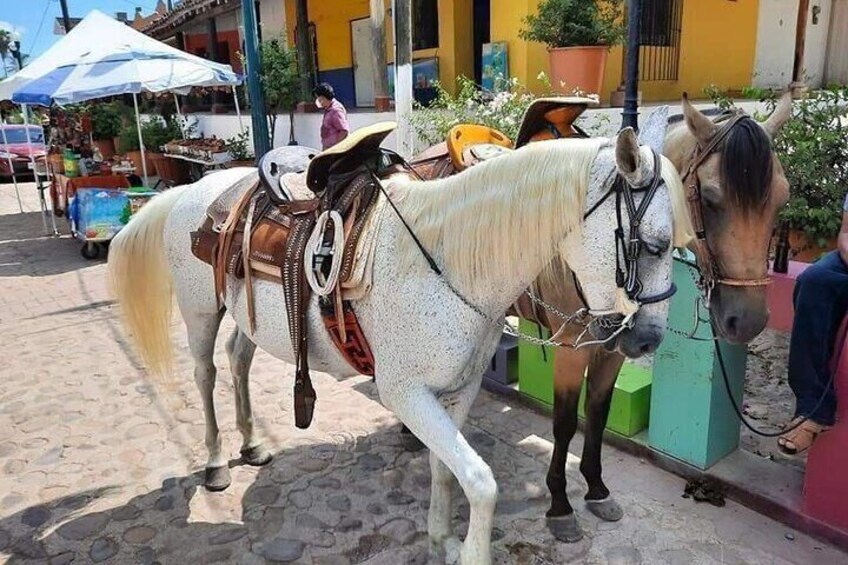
[565, 528]
[802, 437]
[217, 478]
[256, 456]
[446, 549]
[606, 509]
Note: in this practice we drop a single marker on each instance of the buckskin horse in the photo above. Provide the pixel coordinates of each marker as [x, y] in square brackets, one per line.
[735, 187]
[481, 237]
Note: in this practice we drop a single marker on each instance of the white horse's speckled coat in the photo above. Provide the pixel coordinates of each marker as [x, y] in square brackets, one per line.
[430, 348]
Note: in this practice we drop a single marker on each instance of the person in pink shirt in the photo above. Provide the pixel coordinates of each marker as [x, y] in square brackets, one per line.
[335, 126]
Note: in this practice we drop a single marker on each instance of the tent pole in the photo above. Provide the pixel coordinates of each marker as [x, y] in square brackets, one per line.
[238, 110]
[38, 184]
[12, 168]
[140, 140]
[180, 114]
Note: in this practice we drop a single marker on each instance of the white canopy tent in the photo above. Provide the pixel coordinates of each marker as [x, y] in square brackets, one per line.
[103, 57]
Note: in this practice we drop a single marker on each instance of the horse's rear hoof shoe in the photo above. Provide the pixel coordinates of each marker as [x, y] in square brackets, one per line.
[217, 478]
[565, 528]
[606, 509]
[256, 456]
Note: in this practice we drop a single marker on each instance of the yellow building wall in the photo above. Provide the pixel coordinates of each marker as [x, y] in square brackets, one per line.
[717, 46]
[335, 51]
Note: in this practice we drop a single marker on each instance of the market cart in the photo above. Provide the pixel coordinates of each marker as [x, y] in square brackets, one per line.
[98, 214]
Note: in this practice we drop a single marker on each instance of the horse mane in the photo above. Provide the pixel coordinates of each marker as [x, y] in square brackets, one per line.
[747, 167]
[478, 223]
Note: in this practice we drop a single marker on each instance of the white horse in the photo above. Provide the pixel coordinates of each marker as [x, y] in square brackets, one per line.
[492, 230]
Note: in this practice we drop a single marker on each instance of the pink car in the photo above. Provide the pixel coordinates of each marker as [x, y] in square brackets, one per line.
[14, 146]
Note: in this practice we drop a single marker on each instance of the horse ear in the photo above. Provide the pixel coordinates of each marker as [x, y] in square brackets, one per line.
[652, 132]
[782, 113]
[627, 157]
[699, 125]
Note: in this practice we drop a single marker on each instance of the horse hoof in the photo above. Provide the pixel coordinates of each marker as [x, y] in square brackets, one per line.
[256, 456]
[606, 509]
[217, 478]
[565, 528]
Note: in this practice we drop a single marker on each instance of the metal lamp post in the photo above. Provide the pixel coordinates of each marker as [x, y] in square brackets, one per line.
[630, 115]
[261, 143]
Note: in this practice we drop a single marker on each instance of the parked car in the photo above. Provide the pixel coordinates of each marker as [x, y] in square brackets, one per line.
[13, 145]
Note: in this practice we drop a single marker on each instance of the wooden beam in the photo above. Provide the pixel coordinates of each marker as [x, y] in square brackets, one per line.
[378, 46]
[800, 40]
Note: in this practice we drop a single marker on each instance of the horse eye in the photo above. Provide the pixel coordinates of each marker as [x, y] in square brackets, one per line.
[655, 250]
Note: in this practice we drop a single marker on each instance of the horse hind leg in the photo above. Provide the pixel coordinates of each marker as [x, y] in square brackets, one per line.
[202, 330]
[569, 367]
[603, 371]
[438, 428]
[240, 351]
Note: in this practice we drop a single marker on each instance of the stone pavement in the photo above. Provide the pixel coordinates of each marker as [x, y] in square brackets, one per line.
[97, 464]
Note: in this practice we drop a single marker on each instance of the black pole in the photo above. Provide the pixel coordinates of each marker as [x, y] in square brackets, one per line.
[630, 115]
[18, 56]
[66, 20]
[261, 143]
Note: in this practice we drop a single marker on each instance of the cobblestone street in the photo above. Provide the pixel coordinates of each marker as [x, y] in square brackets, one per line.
[98, 464]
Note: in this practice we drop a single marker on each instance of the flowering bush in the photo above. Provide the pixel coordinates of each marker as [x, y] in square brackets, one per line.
[502, 111]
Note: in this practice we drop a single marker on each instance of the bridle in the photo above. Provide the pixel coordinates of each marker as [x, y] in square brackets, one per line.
[628, 249]
[707, 265]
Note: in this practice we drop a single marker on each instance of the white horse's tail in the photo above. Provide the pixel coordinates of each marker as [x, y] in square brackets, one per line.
[142, 281]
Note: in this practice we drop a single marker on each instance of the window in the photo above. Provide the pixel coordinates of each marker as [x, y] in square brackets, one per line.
[425, 24]
[657, 25]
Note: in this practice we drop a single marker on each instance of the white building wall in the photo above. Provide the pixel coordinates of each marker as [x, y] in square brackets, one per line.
[272, 14]
[776, 43]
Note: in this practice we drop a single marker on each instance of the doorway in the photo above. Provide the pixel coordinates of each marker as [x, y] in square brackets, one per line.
[363, 61]
[482, 19]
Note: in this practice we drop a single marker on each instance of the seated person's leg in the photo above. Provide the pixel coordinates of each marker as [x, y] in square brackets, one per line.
[821, 301]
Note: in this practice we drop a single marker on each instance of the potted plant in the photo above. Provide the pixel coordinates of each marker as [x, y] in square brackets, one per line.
[105, 127]
[813, 150]
[128, 145]
[156, 132]
[238, 146]
[578, 34]
[280, 82]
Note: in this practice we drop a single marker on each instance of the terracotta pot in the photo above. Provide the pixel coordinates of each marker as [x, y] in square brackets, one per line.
[106, 147]
[578, 67]
[804, 250]
[172, 170]
[135, 157]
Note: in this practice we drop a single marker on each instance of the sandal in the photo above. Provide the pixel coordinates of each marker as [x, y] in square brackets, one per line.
[801, 438]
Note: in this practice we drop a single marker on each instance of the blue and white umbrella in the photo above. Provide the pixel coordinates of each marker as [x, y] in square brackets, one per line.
[103, 57]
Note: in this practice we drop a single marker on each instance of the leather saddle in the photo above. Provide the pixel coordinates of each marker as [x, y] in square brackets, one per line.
[469, 144]
[266, 232]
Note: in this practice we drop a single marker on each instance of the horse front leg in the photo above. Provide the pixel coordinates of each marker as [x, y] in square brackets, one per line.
[240, 351]
[603, 371]
[569, 367]
[437, 426]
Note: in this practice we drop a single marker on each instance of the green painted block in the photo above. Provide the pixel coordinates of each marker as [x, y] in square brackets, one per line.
[631, 398]
[691, 416]
[535, 365]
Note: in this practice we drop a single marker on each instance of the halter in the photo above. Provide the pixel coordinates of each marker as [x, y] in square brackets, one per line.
[707, 264]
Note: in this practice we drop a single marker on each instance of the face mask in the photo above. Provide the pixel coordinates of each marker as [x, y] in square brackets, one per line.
[318, 103]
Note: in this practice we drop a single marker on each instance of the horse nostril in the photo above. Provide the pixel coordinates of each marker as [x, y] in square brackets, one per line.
[732, 325]
[648, 347]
